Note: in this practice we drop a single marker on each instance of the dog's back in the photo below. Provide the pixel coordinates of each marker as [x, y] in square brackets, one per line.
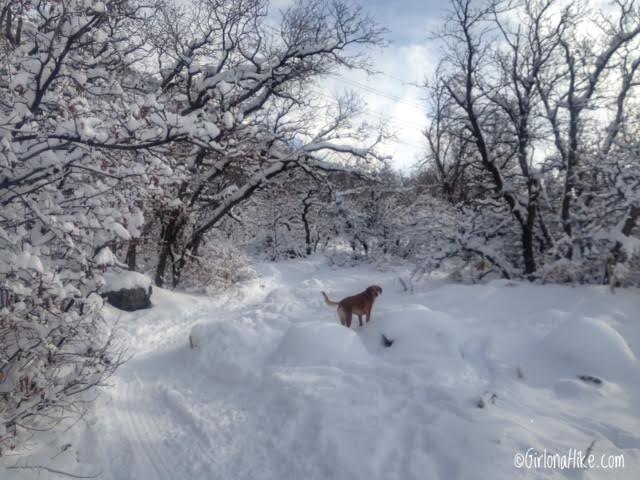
[359, 304]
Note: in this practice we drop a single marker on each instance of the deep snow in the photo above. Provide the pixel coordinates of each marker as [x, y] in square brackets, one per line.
[276, 389]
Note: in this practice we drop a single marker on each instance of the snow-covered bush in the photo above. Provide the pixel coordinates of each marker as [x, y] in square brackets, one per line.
[218, 266]
[66, 204]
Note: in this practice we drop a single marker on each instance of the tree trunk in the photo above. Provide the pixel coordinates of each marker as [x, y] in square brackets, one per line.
[190, 250]
[168, 238]
[305, 222]
[163, 258]
[570, 180]
[131, 255]
[616, 252]
[527, 245]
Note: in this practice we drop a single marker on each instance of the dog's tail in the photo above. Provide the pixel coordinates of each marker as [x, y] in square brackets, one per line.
[327, 301]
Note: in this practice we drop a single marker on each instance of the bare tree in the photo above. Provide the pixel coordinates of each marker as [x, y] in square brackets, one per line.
[570, 88]
[492, 98]
[448, 150]
[257, 96]
[516, 75]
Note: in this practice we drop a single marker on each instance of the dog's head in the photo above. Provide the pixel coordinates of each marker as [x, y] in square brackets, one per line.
[374, 290]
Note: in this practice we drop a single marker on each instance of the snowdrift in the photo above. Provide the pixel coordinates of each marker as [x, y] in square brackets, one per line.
[316, 343]
[587, 346]
[274, 387]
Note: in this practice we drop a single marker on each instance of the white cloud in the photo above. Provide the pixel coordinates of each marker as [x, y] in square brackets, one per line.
[394, 98]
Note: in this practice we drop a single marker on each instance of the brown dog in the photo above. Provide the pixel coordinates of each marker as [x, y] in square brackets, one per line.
[360, 304]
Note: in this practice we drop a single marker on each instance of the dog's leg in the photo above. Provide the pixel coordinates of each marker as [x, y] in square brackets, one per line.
[360, 319]
[342, 315]
[348, 315]
[368, 313]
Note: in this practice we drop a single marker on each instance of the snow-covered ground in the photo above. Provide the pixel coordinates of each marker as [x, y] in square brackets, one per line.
[275, 388]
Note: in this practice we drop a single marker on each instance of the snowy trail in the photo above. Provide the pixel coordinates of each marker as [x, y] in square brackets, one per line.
[277, 389]
[178, 429]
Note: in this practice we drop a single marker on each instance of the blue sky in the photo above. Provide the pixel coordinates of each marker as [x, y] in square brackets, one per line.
[409, 21]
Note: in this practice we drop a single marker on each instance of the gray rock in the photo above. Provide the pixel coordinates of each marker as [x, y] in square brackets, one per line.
[130, 299]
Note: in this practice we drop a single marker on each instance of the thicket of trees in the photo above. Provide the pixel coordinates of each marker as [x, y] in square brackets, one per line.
[531, 163]
[160, 136]
[534, 134]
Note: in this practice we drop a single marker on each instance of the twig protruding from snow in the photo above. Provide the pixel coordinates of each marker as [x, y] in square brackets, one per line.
[387, 342]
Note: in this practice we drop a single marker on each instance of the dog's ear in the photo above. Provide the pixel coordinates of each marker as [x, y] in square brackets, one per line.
[374, 290]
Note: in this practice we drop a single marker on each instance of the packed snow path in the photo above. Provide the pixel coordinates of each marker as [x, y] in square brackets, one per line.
[276, 389]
